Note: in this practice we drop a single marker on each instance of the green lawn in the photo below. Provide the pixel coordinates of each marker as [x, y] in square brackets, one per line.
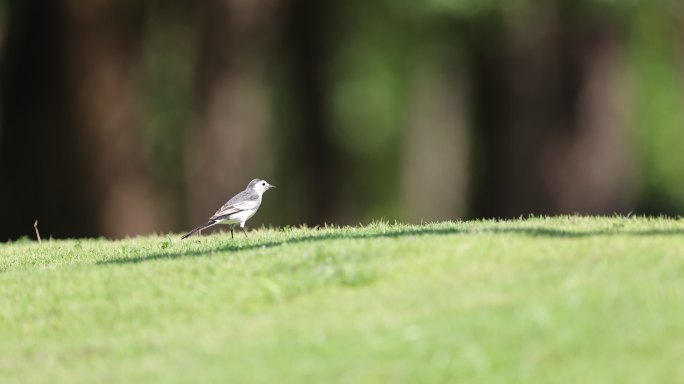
[540, 300]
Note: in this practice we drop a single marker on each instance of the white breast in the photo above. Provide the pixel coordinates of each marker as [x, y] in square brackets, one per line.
[239, 217]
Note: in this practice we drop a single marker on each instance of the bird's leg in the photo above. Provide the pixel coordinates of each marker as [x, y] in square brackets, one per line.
[242, 225]
[231, 231]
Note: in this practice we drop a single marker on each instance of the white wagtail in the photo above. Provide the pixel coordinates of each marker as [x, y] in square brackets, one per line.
[238, 209]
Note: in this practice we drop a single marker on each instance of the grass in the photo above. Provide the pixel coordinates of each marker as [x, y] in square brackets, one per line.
[562, 300]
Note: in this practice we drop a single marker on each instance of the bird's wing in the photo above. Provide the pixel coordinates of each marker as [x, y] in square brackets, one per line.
[244, 201]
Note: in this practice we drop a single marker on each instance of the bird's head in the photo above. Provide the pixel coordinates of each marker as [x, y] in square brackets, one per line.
[259, 186]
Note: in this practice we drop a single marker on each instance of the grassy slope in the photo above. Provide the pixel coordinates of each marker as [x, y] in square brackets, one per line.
[534, 301]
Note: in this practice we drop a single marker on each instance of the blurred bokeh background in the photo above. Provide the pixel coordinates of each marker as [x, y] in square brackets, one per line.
[126, 117]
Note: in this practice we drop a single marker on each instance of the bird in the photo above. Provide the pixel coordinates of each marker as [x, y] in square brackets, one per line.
[238, 209]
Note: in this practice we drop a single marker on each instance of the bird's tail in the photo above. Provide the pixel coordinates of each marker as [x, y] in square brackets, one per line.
[199, 228]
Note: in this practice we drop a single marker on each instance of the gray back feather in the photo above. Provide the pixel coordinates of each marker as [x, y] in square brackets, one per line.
[246, 195]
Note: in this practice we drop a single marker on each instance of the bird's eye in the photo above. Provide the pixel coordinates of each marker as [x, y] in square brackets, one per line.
[264, 184]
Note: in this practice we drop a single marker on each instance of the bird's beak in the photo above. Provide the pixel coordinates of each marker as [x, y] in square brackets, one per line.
[271, 186]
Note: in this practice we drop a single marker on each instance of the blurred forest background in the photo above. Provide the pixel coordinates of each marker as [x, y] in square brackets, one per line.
[125, 117]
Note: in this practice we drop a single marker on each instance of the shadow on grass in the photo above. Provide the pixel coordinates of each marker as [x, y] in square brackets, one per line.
[232, 247]
[532, 232]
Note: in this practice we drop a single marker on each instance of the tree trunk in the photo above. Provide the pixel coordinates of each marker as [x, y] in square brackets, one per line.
[552, 116]
[102, 44]
[229, 144]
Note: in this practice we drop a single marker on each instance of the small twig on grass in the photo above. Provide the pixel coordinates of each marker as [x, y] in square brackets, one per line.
[35, 226]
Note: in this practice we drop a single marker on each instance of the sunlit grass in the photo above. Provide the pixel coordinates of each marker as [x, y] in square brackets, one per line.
[540, 300]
